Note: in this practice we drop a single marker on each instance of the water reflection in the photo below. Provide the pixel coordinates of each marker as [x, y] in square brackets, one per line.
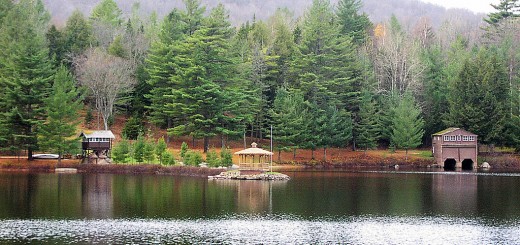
[308, 195]
[252, 196]
[455, 193]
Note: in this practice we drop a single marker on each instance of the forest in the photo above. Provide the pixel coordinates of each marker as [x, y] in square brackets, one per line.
[330, 77]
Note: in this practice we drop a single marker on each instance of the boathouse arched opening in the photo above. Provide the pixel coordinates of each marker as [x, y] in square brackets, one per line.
[467, 164]
[450, 164]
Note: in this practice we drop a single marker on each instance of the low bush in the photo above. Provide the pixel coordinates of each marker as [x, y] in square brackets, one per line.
[212, 158]
[192, 158]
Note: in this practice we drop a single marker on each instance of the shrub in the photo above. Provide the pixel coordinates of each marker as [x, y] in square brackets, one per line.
[184, 149]
[192, 158]
[160, 149]
[226, 158]
[212, 158]
[133, 127]
[139, 149]
[167, 158]
[121, 151]
[148, 151]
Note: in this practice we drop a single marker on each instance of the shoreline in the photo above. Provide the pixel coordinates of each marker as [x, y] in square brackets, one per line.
[502, 163]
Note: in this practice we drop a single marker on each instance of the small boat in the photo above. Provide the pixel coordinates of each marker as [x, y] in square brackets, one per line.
[46, 156]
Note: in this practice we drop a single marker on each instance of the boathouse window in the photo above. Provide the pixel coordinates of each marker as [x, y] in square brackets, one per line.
[446, 138]
[459, 137]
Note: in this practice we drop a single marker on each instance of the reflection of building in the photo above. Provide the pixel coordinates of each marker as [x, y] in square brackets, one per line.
[252, 196]
[97, 195]
[454, 193]
[455, 148]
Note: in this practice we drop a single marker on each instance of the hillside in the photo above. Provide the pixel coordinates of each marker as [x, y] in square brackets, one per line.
[408, 11]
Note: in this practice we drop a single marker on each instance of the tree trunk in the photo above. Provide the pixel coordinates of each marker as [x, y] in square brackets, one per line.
[294, 154]
[193, 142]
[406, 154]
[59, 160]
[312, 154]
[325, 154]
[169, 125]
[245, 143]
[30, 154]
[206, 144]
[279, 155]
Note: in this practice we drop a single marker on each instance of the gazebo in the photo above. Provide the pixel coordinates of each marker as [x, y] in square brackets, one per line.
[254, 158]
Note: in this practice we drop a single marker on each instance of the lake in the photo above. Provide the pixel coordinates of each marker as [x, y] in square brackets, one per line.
[314, 207]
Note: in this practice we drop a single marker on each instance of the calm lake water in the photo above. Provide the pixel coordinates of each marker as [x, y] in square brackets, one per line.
[368, 207]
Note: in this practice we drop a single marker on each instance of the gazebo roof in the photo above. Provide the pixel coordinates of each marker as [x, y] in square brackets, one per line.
[254, 151]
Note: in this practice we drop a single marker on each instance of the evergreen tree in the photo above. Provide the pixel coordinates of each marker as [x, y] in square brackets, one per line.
[353, 23]
[483, 106]
[160, 149]
[505, 9]
[148, 151]
[78, 34]
[58, 132]
[407, 124]
[367, 130]
[288, 118]
[336, 129]
[121, 151]
[107, 12]
[25, 73]
[139, 149]
[56, 44]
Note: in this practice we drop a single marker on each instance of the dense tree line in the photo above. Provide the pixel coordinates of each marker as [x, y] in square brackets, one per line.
[329, 78]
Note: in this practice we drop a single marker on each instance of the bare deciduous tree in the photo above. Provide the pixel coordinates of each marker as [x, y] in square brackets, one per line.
[106, 77]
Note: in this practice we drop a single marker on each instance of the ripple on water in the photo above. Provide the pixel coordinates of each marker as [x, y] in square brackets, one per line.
[264, 230]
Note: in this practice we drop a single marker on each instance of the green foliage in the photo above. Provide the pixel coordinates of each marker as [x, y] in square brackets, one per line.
[160, 149]
[107, 12]
[116, 47]
[139, 149]
[133, 127]
[58, 132]
[122, 151]
[367, 129]
[25, 73]
[407, 124]
[167, 159]
[212, 158]
[89, 117]
[505, 9]
[192, 158]
[78, 34]
[226, 158]
[148, 151]
[352, 23]
[483, 106]
[184, 149]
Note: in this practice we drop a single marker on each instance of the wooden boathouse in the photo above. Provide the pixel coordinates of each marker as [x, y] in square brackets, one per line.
[97, 145]
[455, 148]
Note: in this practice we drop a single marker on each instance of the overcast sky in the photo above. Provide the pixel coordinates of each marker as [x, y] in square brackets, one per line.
[477, 6]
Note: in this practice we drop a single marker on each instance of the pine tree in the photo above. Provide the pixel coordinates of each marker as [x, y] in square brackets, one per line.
[288, 118]
[160, 149]
[505, 9]
[58, 132]
[139, 149]
[25, 73]
[78, 34]
[407, 124]
[367, 130]
[336, 129]
[352, 23]
[107, 12]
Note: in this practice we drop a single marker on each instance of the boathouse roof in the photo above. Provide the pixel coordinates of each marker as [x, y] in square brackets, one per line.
[253, 151]
[450, 130]
[98, 134]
